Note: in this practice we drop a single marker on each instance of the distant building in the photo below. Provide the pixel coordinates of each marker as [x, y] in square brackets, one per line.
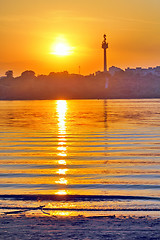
[144, 71]
[113, 70]
[157, 70]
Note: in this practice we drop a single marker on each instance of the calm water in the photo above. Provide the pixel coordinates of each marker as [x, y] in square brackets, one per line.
[81, 147]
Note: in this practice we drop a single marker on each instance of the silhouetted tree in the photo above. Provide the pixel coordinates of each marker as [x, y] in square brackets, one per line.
[28, 74]
[9, 74]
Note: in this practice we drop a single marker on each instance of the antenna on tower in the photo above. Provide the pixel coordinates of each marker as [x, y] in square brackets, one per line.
[105, 46]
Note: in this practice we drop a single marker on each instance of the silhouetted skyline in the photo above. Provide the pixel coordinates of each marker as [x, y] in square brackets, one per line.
[131, 83]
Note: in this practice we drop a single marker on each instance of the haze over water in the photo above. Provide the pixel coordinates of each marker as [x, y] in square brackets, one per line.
[82, 147]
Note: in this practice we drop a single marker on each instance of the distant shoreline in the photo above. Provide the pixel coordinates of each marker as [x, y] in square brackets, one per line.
[55, 86]
[67, 99]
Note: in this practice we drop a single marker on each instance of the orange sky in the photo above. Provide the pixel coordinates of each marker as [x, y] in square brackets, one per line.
[28, 29]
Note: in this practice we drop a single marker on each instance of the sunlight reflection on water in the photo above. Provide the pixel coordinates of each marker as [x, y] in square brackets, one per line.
[61, 111]
[86, 147]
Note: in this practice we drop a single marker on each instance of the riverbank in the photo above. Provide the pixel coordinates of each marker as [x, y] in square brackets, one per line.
[74, 86]
[80, 227]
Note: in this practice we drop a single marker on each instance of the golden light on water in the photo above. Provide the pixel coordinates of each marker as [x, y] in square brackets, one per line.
[61, 192]
[61, 107]
[62, 148]
[62, 181]
[62, 213]
[62, 144]
[62, 154]
[61, 111]
[62, 162]
[101, 157]
[62, 171]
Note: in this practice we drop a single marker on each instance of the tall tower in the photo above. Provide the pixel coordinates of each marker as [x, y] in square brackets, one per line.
[105, 46]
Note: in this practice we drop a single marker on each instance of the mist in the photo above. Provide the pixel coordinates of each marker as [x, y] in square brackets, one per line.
[63, 85]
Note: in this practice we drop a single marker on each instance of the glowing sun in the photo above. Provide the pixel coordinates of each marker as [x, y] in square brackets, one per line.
[62, 49]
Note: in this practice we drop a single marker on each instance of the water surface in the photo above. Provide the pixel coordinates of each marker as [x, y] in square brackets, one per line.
[82, 147]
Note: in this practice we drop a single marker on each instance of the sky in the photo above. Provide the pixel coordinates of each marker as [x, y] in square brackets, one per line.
[30, 30]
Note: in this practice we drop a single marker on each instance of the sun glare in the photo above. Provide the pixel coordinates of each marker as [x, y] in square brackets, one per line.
[61, 49]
